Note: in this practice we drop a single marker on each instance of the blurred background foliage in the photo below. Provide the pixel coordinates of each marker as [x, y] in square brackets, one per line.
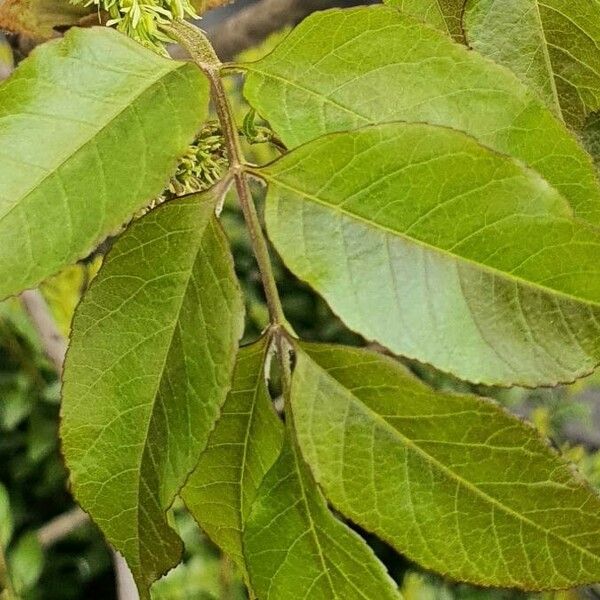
[68, 559]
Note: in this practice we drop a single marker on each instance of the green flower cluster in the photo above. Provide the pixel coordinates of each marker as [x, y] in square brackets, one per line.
[141, 19]
[202, 165]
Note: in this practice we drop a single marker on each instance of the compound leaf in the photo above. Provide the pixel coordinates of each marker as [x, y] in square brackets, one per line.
[152, 352]
[92, 126]
[244, 445]
[343, 69]
[441, 250]
[553, 46]
[453, 482]
[295, 548]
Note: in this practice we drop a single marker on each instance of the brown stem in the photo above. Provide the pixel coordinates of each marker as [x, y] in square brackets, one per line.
[204, 56]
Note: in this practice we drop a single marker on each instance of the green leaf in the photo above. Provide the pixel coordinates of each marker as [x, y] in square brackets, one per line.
[553, 46]
[343, 69]
[6, 519]
[243, 447]
[445, 15]
[453, 482]
[295, 548]
[150, 363]
[25, 563]
[105, 122]
[441, 250]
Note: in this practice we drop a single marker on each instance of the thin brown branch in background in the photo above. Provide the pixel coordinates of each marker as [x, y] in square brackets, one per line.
[61, 526]
[252, 25]
[53, 343]
[55, 347]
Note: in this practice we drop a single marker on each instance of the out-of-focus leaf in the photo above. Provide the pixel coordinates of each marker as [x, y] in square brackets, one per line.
[37, 19]
[25, 562]
[203, 6]
[16, 402]
[63, 292]
[6, 520]
[6, 58]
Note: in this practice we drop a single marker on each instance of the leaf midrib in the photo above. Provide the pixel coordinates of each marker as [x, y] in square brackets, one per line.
[456, 257]
[311, 523]
[409, 443]
[72, 154]
[547, 59]
[249, 424]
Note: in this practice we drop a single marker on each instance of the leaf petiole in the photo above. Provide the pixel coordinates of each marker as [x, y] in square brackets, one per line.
[201, 51]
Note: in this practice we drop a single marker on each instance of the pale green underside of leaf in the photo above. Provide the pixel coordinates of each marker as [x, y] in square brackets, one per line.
[553, 46]
[297, 550]
[453, 482]
[91, 127]
[243, 447]
[445, 15]
[149, 366]
[343, 69]
[441, 250]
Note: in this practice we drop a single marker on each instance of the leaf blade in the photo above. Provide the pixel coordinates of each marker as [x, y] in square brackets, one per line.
[476, 493]
[148, 368]
[445, 15]
[102, 141]
[441, 250]
[221, 505]
[318, 82]
[334, 563]
[552, 46]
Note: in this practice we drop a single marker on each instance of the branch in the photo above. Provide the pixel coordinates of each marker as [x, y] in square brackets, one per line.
[126, 588]
[252, 25]
[202, 6]
[53, 343]
[55, 347]
[61, 526]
